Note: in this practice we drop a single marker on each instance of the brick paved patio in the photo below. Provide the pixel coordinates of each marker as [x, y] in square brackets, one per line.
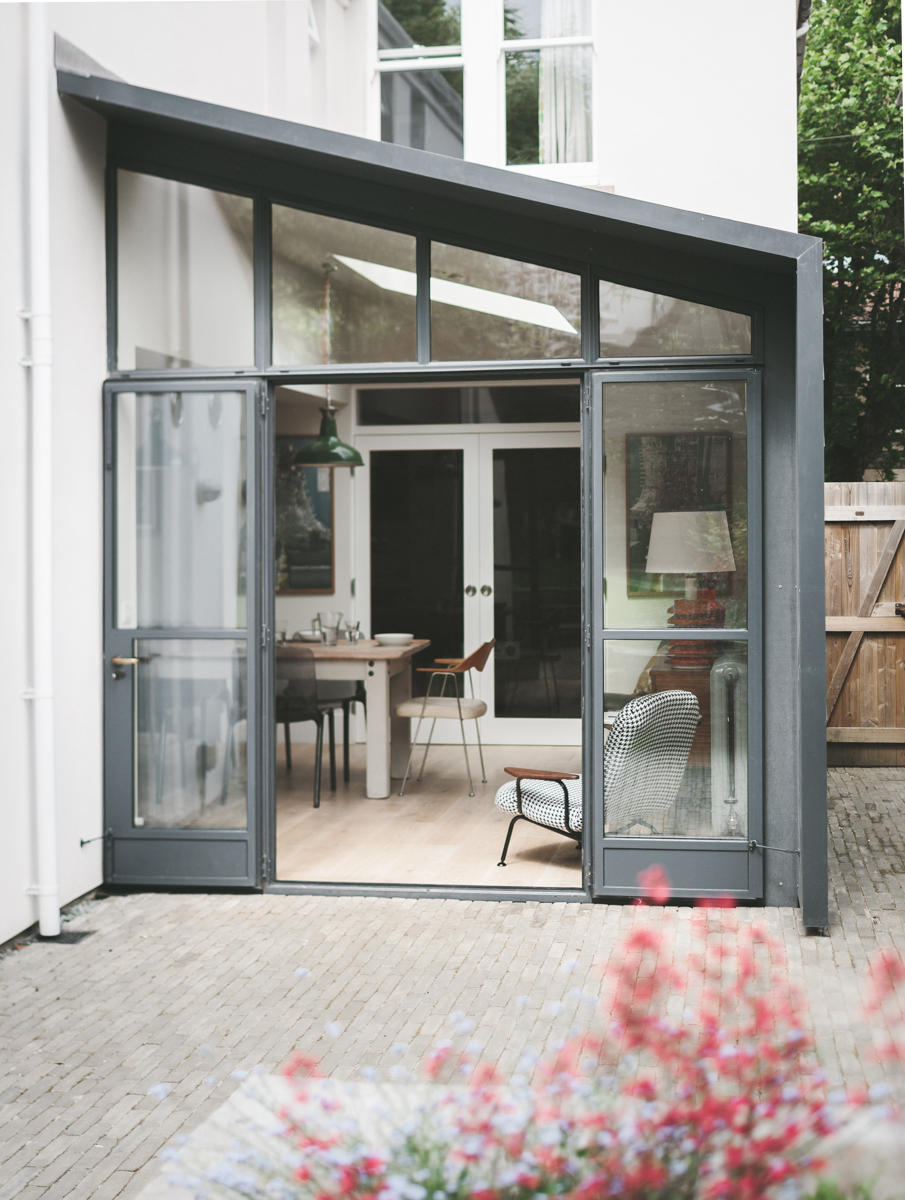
[186, 989]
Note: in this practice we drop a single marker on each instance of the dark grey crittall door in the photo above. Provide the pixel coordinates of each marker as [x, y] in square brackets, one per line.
[673, 713]
[181, 668]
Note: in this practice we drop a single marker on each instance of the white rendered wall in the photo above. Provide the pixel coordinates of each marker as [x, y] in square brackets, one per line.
[698, 106]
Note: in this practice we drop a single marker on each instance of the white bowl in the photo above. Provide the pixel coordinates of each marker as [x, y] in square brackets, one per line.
[393, 639]
[305, 635]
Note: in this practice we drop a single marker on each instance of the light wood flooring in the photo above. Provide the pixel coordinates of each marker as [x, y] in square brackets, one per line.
[436, 834]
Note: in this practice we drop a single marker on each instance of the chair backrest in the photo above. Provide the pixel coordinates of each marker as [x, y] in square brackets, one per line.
[646, 755]
[478, 660]
[296, 678]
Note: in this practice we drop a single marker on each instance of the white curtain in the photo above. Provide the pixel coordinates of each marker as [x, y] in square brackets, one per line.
[565, 84]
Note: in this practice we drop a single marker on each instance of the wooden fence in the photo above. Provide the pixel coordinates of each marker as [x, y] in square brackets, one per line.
[865, 635]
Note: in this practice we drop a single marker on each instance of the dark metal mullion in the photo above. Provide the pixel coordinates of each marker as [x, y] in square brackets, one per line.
[755, 605]
[704, 633]
[595, 589]
[262, 283]
[267, 721]
[110, 234]
[423, 299]
[590, 316]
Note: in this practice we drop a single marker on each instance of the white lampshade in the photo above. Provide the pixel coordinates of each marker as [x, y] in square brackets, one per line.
[689, 543]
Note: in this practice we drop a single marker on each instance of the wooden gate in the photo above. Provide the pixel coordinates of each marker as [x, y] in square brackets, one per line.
[865, 646]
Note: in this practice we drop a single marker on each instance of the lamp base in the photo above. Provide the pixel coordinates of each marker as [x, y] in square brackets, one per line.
[704, 612]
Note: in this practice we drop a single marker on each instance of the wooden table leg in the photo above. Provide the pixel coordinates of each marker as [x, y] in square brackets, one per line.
[400, 727]
[377, 688]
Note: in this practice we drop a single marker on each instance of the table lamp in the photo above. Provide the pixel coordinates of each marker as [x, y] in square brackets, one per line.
[691, 544]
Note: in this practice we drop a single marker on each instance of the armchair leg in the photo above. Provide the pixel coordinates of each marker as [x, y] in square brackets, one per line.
[467, 763]
[318, 755]
[332, 726]
[288, 747]
[502, 861]
[477, 726]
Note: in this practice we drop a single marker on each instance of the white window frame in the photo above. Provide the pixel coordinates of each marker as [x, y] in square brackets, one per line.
[482, 58]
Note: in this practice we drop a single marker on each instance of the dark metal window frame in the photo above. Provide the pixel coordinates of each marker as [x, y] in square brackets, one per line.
[268, 377]
[589, 277]
[254, 402]
[597, 635]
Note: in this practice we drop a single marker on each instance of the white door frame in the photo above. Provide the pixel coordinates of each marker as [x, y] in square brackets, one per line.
[477, 446]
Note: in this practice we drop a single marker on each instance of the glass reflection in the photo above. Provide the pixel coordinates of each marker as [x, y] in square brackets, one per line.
[191, 734]
[184, 275]
[180, 510]
[537, 582]
[676, 754]
[644, 324]
[484, 307]
[675, 489]
[425, 22]
[423, 109]
[342, 292]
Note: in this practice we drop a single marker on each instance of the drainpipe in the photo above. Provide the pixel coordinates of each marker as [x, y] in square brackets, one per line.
[39, 365]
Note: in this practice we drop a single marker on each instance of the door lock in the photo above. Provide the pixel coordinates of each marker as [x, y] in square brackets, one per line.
[486, 590]
[471, 591]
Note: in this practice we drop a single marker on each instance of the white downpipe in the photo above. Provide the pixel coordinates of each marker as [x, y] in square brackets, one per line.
[40, 366]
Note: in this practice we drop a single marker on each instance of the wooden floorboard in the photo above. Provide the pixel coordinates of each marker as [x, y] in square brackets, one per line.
[435, 834]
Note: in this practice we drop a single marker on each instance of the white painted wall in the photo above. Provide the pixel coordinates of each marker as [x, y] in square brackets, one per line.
[698, 106]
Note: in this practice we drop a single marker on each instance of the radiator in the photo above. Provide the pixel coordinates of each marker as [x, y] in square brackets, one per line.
[729, 746]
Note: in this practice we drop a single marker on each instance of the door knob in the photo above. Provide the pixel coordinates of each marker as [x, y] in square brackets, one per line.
[486, 590]
[471, 591]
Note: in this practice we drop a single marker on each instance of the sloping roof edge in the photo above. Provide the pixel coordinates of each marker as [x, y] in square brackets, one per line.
[432, 174]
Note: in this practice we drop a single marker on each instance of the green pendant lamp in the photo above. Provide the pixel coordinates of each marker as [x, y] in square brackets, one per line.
[328, 450]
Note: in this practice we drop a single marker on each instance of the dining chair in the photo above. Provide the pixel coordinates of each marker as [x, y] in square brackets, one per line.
[441, 707]
[644, 761]
[345, 692]
[297, 700]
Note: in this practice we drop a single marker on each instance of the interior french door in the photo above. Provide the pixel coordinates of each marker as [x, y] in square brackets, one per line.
[517, 568]
[182, 634]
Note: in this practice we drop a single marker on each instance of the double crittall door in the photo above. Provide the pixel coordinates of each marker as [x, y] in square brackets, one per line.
[182, 615]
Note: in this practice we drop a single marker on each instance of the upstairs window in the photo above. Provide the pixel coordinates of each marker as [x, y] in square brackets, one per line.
[548, 81]
[421, 79]
[504, 82]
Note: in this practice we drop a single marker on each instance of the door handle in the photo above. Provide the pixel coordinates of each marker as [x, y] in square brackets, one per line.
[486, 590]
[118, 661]
[471, 591]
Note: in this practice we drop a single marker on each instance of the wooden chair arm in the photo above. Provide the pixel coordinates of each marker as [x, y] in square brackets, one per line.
[528, 773]
[448, 660]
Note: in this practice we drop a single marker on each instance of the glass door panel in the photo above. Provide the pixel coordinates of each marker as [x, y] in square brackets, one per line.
[179, 709]
[530, 531]
[181, 510]
[537, 582]
[417, 550]
[191, 733]
[673, 545]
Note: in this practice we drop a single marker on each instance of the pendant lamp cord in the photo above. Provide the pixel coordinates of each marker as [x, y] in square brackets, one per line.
[328, 271]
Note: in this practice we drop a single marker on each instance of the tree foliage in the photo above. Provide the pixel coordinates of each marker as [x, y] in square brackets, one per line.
[850, 195]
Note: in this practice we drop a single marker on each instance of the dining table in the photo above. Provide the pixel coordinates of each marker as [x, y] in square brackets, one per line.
[387, 675]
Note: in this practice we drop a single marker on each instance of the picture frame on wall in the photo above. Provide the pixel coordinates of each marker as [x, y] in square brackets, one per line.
[303, 522]
[670, 472]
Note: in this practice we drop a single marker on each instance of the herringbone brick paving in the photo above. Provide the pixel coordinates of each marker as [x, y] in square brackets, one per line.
[184, 990]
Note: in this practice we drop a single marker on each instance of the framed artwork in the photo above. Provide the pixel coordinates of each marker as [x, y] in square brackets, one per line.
[303, 522]
[670, 472]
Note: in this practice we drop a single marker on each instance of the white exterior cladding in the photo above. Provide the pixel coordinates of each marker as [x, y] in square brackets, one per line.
[694, 108]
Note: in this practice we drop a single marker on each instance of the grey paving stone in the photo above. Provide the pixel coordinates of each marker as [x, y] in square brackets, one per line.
[87, 1030]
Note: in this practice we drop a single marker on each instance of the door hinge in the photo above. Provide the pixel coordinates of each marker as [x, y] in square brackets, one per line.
[262, 404]
[587, 637]
[264, 632]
